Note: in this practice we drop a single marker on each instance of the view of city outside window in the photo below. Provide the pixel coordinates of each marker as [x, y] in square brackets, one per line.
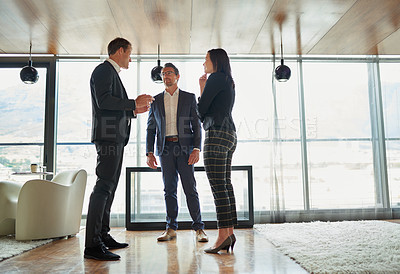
[390, 85]
[21, 123]
[340, 161]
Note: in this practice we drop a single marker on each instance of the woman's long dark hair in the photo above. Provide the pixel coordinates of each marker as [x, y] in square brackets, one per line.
[221, 63]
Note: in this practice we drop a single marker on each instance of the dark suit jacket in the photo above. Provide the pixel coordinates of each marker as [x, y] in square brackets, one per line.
[111, 108]
[188, 124]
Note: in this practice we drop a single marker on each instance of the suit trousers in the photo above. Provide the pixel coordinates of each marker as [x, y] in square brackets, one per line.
[108, 170]
[219, 146]
[174, 161]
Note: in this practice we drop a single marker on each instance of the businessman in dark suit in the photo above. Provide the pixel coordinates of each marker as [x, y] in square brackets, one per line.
[173, 119]
[112, 111]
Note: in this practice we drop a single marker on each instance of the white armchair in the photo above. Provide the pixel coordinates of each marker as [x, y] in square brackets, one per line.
[49, 209]
[8, 206]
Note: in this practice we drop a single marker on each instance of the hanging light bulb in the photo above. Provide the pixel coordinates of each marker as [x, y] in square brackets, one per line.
[156, 71]
[282, 72]
[28, 74]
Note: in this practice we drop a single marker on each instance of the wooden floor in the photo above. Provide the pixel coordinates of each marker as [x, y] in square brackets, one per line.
[252, 254]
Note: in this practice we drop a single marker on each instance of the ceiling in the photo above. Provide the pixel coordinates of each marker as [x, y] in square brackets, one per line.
[317, 27]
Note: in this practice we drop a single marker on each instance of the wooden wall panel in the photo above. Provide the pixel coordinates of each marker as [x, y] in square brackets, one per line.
[391, 45]
[77, 27]
[303, 23]
[231, 24]
[19, 25]
[366, 24]
[149, 23]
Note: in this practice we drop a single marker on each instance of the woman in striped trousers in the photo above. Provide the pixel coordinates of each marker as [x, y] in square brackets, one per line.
[215, 111]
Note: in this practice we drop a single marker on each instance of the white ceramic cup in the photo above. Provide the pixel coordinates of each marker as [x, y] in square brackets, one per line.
[34, 168]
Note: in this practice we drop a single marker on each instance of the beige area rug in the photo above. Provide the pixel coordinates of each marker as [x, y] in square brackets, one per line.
[10, 247]
[338, 247]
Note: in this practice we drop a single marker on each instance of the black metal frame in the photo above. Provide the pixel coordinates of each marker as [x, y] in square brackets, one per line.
[184, 224]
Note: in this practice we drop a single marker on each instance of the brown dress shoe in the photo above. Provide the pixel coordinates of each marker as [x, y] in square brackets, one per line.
[201, 236]
[167, 235]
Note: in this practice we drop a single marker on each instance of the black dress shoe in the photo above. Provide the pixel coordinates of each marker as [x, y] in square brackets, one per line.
[100, 253]
[111, 243]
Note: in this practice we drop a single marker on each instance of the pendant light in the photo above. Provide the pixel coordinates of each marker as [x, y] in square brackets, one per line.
[282, 72]
[28, 74]
[156, 71]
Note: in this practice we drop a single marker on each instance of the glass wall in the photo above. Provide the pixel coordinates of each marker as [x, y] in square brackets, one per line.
[74, 150]
[336, 172]
[21, 122]
[340, 161]
[285, 152]
[390, 85]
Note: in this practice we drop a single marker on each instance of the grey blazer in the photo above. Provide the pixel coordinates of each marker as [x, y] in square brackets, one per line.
[188, 124]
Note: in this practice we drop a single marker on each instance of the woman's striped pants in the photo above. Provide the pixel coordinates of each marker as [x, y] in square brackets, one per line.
[219, 146]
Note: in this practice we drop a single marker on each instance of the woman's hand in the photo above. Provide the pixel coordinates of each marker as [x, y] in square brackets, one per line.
[202, 82]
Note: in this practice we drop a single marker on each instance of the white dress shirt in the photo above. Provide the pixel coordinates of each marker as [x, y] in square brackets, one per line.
[171, 109]
[114, 64]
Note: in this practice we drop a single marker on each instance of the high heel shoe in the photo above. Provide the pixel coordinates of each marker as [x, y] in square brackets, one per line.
[225, 246]
[233, 238]
[233, 241]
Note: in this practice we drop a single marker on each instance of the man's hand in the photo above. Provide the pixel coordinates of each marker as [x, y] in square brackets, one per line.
[151, 160]
[141, 109]
[143, 100]
[194, 157]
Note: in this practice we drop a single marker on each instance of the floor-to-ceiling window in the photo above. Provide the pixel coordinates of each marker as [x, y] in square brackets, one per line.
[268, 116]
[22, 112]
[340, 161]
[285, 180]
[390, 86]
[74, 150]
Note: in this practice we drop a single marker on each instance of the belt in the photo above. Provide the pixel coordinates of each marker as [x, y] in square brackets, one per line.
[171, 139]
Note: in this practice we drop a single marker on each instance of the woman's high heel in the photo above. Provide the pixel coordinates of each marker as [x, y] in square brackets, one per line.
[233, 241]
[224, 246]
[233, 238]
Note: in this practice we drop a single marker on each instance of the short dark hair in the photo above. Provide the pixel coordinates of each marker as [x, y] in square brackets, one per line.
[170, 65]
[116, 44]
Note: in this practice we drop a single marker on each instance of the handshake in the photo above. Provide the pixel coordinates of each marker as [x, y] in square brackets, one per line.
[143, 103]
